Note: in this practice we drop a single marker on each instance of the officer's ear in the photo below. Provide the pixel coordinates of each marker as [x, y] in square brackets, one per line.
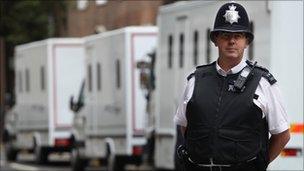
[215, 40]
[247, 42]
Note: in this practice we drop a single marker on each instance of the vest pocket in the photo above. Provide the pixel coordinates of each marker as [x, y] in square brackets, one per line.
[238, 146]
[197, 143]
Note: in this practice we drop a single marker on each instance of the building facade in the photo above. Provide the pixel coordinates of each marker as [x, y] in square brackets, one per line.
[86, 17]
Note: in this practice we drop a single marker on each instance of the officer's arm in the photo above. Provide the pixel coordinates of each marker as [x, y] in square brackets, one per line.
[276, 144]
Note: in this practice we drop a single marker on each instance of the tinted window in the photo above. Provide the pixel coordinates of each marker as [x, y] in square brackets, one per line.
[208, 48]
[181, 50]
[42, 78]
[117, 74]
[195, 48]
[27, 80]
[89, 78]
[98, 76]
[170, 52]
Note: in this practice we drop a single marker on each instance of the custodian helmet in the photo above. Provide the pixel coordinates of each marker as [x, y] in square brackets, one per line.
[232, 17]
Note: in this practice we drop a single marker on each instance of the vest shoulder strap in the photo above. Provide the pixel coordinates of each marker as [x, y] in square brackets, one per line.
[264, 71]
[204, 68]
[206, 65]
[190, 76]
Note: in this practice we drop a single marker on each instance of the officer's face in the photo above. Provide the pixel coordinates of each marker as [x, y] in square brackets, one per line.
[231, 45]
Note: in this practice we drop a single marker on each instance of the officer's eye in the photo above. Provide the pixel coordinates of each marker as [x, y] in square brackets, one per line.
[225, 35]
[239, 35]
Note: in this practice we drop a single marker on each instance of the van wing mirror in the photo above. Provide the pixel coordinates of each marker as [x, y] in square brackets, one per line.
[72, 104]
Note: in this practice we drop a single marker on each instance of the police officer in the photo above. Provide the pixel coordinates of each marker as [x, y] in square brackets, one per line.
[230, 106]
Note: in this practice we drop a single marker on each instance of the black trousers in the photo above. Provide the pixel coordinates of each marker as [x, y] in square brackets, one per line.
[251, 166]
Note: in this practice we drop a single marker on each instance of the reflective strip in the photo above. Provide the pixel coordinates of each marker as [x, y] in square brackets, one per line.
[297, 128]
[291, 152]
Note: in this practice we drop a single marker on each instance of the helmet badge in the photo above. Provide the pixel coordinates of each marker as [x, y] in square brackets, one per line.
[231, 15]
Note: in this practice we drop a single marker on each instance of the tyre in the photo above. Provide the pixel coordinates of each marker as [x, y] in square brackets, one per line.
[10, 152]
[41, 154]
[119, 164]
[78, 163]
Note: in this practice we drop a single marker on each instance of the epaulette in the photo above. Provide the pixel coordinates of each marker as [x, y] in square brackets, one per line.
[269, 77]
[265, 72]
[205, 65]
[201, 67]
[190, 76]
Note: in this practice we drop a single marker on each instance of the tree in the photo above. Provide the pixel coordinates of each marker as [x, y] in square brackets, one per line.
[26, 21]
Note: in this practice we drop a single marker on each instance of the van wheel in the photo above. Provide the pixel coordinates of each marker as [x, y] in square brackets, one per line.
[41, 154]
[78, 163]
[10, 152]
[119, 164]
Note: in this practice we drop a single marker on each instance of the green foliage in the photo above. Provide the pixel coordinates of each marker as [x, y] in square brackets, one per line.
[29, 20]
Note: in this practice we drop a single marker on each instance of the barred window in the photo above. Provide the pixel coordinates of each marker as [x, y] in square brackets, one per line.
[118, 74]
[181, 50]
[195, 47]
[98, 77]
[170, 51]
[89, 78]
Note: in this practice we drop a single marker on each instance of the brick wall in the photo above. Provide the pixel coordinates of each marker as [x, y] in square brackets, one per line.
[111, 15]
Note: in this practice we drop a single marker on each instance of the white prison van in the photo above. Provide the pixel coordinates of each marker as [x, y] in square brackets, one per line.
[110, 127]
[47, 73]
[184, 42]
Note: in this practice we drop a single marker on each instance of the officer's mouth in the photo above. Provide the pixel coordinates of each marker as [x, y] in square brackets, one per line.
[231, 50]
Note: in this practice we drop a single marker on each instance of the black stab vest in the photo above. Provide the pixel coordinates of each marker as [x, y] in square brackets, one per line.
[225, 125]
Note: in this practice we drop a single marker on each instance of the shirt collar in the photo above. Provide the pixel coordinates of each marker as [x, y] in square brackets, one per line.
[233, 70]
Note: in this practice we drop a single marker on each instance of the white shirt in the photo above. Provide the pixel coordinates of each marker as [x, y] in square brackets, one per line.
[270, 101]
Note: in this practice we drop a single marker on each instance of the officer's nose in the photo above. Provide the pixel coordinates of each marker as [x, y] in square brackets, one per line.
[232, 40]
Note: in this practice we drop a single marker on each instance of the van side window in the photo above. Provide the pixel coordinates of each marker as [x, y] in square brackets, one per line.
[98, 77]
[19, 78]
[208, 50]
[181, 50]
[251, 46]
[117, 74]
[27, 80]
[42, 78]
[195, 47]
[89, 77]
[170, 48]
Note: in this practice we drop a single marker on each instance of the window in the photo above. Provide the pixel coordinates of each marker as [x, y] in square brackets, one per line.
[101, 2]
[42, 78]
[27, 80]
[181, 50]
[117, 74]
[251, 46]
[20, 83]
[170, 54]
[208, 50]
[195, 48]
[98, 77]
[82, 4]
[89, 78]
